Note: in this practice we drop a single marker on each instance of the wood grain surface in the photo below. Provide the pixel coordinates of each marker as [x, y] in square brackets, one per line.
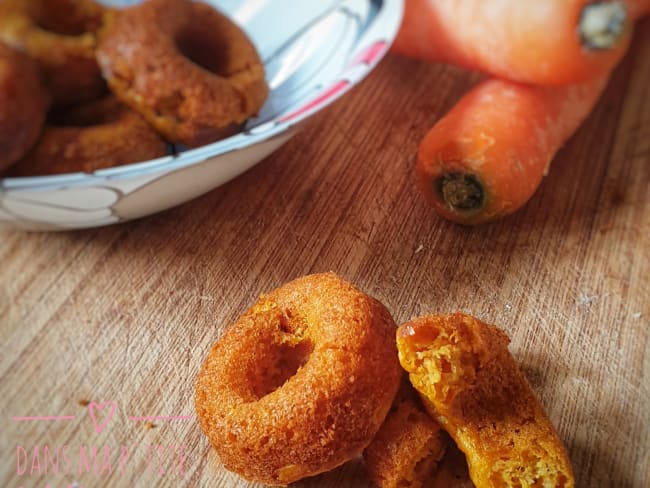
[127, 313]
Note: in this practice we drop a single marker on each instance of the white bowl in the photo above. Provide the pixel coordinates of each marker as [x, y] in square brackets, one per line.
[314, 51]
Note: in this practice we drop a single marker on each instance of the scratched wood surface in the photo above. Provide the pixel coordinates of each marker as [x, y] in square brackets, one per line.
[126, 314]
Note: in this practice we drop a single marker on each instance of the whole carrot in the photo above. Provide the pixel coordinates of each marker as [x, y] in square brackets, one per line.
[486, 157]
[535, 41]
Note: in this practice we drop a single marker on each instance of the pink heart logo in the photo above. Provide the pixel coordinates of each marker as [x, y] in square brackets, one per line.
[92, 407]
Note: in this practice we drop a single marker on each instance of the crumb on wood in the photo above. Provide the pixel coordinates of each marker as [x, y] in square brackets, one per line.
[579, 382]
[636, 315]
[419, 249]
[586, 300]
[149, 425]
[83, 402]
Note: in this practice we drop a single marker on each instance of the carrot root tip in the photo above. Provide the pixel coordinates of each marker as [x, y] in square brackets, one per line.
[602, 24]
[462, 193]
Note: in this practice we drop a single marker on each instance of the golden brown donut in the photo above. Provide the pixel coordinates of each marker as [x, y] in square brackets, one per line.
[189, 70]
[61, 36]
[23, 105]
[301, 383]
[472, 386]
[408, 447]
[97, 135]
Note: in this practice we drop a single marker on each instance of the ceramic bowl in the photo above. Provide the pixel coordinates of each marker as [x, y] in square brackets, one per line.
[314, 52]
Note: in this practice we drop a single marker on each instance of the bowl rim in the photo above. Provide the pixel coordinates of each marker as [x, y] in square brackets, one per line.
[389, 15]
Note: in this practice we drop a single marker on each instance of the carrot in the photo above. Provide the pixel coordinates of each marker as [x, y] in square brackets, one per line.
[638, 8]
[548, 42]
[488, 155]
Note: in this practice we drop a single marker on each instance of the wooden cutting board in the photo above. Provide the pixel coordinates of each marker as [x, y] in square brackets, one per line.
[126, 314]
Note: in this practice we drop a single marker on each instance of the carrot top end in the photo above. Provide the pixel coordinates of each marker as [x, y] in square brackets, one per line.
[602, 25]
[461, 193]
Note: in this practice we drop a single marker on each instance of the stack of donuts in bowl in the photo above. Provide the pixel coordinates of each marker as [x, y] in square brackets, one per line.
[85, 87]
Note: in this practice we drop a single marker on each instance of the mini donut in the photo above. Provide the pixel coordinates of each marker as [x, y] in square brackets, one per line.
[23, 105]
[189, 70]
[408, 447]
[301, 383]
[97, 135]
[472, 386]
[61, 36]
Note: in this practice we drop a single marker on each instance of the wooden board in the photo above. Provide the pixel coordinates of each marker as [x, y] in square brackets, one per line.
[126, 314]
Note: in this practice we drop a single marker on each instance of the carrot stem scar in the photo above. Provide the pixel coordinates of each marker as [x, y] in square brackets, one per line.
[460, 192]
[602, 24]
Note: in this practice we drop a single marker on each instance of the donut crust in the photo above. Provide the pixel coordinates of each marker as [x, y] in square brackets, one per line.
[142, 54]
[23, 105]
[61, 36]
[301, 383]
[472, 386]
[408, 447]
[99, 134]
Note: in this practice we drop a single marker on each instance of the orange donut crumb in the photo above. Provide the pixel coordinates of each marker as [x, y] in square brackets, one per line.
[472, 386]
[188, 69]
[408, 447]
[96, 135]
[23, 104]
[61, 36]
[301, 383]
